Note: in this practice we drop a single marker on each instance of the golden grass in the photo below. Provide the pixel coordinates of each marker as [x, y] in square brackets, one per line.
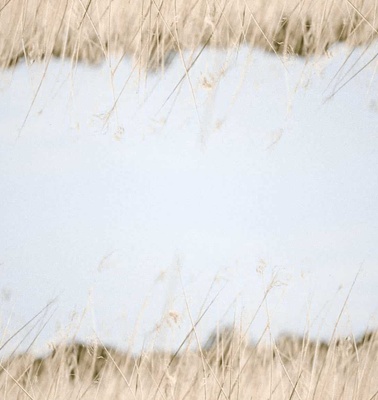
[227, 367]
[152, 31]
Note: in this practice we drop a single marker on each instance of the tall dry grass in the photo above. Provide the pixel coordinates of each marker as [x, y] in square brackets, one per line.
[152, 31]
[226, 367]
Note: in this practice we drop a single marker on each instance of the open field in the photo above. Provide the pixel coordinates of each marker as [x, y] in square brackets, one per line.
[153, 31]
[226, 367]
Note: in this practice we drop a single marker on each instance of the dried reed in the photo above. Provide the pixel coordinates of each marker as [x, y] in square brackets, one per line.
[152, 31]
[227, 367]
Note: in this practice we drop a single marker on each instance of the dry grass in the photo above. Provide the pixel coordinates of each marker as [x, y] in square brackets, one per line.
[227, 367]
[152, 31]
